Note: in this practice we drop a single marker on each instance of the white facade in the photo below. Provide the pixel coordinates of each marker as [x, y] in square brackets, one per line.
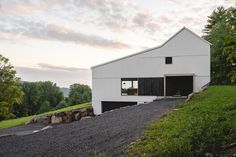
[190, 55]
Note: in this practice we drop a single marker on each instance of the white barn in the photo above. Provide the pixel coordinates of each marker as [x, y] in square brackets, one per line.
[178, 67]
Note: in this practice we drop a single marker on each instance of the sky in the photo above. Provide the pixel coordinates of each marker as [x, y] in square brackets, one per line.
[59, 40]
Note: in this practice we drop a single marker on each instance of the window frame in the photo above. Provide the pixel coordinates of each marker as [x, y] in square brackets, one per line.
[129, 79]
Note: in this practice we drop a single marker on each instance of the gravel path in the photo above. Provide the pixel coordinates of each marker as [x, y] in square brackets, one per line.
[108, 133]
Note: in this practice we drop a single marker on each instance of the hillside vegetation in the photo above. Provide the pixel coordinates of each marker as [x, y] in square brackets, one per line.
[23, 120]
[201, 125]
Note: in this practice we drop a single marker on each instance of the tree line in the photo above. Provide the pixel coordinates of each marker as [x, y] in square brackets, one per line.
[220, 30]
[19, 99]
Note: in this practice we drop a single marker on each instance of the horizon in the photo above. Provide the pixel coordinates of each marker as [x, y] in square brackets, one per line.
[61, 40]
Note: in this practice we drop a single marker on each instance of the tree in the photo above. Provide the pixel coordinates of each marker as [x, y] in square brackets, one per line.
[220, 31]
[10, 91]
[62, 104]
[44, 107]
[37, 94]
[32, 98]
[51, 92]
[79, 94]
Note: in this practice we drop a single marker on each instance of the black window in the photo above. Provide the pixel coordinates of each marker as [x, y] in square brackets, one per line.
[129, 86]
[151, 86]
[168, 60]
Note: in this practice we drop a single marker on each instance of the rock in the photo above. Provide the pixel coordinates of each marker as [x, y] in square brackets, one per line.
[87, 117]
[45, 120]
[77, 116]
[60, 114]
[75, 111]
[190, 96]
[56, 120]
[84, 112]
[68, 117]
[90, 112]
[208, 155]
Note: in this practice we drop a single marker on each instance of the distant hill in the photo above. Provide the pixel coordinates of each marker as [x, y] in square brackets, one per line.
[65, 91]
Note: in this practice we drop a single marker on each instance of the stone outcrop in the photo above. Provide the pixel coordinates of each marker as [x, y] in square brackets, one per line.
[63, 117]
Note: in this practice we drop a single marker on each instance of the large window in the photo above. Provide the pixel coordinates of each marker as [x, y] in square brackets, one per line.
[129, 86]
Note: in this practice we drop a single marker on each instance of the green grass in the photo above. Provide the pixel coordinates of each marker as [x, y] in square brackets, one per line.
[20, 121]
[201, 125]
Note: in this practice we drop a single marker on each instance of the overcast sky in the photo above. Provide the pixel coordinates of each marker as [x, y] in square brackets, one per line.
[59, 40]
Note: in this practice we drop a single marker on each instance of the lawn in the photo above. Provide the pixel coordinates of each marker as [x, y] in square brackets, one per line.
[201, 125]
[23, 120]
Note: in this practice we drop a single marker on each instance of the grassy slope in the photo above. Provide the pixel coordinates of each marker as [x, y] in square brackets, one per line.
[23, 120]
[201, 125]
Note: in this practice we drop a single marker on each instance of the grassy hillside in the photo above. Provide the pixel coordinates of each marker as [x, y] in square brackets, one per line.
[202, 125]
[23, 120]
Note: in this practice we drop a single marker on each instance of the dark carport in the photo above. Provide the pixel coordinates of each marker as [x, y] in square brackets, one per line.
[179, 85]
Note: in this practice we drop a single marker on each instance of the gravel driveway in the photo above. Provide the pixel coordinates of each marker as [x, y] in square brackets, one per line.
[108, 133]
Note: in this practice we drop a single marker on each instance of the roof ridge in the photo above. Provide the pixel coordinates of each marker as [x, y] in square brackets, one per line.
[153, 48]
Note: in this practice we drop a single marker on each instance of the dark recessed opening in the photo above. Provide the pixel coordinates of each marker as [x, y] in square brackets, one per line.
[168, 60]
[110, 105]
[179, 85]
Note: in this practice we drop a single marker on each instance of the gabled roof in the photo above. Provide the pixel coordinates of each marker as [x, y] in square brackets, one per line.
[157, 47]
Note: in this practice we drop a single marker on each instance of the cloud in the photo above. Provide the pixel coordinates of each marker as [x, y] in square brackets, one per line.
[58, 33]
[187, 20]
[24, 7]
[104, 6]
[109, 15]
[140, 19]
[63, 68]
[165, 19]
[145, 21]
[61, 77]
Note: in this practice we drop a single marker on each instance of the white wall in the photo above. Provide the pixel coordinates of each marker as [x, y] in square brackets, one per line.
[190, 55]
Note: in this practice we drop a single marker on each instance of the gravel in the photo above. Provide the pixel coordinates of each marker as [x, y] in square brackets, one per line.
[108, 133]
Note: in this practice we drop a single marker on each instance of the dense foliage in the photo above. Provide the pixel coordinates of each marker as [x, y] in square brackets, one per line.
[45, 96]
[79, 94]
[221, 32]
[39, 97]
[202, 125]
[10, 91]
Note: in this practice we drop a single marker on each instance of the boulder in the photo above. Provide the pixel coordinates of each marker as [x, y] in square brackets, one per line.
[208, 155]
[87, 117]
[47, 120]
[83, 112]
[60, 114]
[44, 120]
[75, 111]
[55, 119]
[90, 112]
[68, 117]
[77, 116]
